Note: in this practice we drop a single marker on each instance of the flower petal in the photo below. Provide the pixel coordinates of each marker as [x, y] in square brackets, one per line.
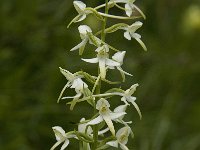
[119, 57]
[68, 75]
[114, 116]
[113, 143]
[83, 29]
[102, 67]
[55, 145]
[81, 18]
[66, 143]
[59, 133]
[123, 147]
[83, 43]
[97, 120]
[107, 119]
[136, 107]
[141, 43]
[129, 10]
[92, 60]
[122, 71]
[112, 63]
[103, 131]
[61, 93]
[127, 35]
[79, 6]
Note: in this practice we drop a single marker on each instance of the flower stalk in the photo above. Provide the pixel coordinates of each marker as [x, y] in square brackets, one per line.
[90, 132]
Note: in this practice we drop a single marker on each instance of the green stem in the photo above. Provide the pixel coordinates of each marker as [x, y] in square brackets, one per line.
[98, 88]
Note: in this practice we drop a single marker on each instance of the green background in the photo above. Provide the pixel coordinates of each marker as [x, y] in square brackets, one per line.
[34, 42]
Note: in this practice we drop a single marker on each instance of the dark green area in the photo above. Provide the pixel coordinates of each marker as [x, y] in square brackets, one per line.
[34, 42]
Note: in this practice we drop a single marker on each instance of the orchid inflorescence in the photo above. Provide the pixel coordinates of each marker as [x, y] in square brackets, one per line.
[91, 132]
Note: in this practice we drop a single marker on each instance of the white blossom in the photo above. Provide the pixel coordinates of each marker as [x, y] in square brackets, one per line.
[119, 57]
[103, 60]
[73, 82]
[105, 115]
[61, 137]
[130, 33]
[122, 138]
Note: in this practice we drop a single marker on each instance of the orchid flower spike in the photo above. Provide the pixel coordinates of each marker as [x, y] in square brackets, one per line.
[73, 82]
[86, 35]
[119, 57]
[61, 137]
[105, 115]
[103, 60]
[122, 138]
[130, 33]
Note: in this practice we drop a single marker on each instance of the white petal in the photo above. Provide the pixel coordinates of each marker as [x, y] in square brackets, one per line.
[123, 99]
[83, 43]
[107, 119]
[66, 143]
[79, 6]
[92, 60]
[135, 26]
[97, 120]
[132, 89]
[83, 29]
[135, 35]
[102, 102]
[129, 10]
[61, 93]
[81, 18]
[122, 71]
[59, 133]
[121, 108]
[127, 35]
[114, 116]
[119, 57]
[55, 145]
[136, 107]
[141, 43]
[112, 63]
[123, 147]
[102, 67]
[103, 131]
[113, 143]
[69, 76]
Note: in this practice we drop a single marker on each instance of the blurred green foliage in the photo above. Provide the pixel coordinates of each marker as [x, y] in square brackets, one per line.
[34, 42]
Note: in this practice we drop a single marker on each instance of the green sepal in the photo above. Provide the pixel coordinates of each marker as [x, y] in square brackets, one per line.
[83, 137]
[87, 76]
[115, 27]
[113, 90]
[91, 101]
[93, 39]
[94, 12]
[81, 49]
[103, 145]
[110, 82]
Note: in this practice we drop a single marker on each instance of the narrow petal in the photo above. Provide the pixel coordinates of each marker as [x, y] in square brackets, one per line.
[107, 119]
[114, 116]
[92, 60]
[121, 70]
[83, 43]
[97, 120]
[103, 131]
[112, 63]
[81, 18]
[123, 147]
[61, 93]
[127, 35]
[66, 143]
[128, 10]
[138, 9]
[141, 43]
[102, 67]
[68, 75]
[55, 145]
[136, 107]
[113, 143]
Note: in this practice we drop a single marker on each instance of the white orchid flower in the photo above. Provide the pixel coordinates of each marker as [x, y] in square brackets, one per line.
[129, 7]
[103, 60]
[61, 137]
[119, 57]
[127, 97]
[84, 31]
[122, 138]
[130, 33]
[105, 115]
[73, 82]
